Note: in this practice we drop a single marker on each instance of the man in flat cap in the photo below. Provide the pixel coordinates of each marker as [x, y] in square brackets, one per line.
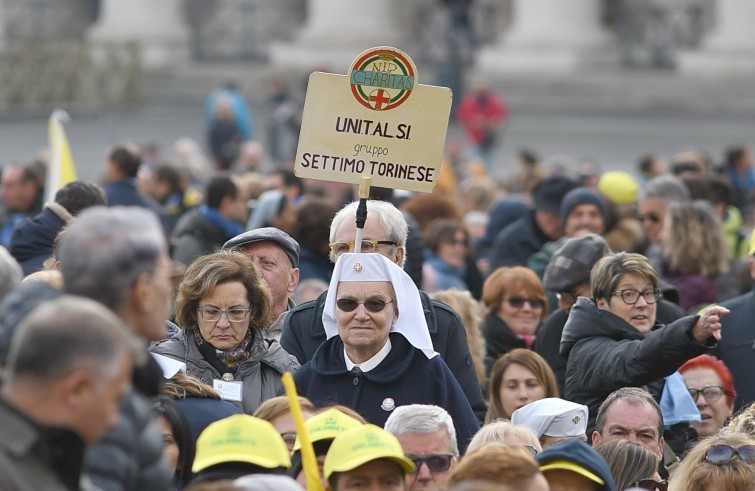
[276, 256]
[553, 420]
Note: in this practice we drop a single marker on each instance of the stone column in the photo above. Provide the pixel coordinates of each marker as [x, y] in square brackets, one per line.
[547, 36]
[159, 27]
[336, 31]
[730, 47]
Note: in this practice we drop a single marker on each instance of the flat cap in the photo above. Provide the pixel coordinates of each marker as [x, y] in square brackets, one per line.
[571, 264]
[272, 234]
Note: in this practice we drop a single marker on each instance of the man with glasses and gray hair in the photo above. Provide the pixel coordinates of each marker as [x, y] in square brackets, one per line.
[427, 437]
[385, 232]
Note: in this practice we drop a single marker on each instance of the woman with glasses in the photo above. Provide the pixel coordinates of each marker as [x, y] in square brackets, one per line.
[515, 302]
[712, 388]
[632, 465]
[725, 461]
[222, 304]
[612, 340]
[378, 354]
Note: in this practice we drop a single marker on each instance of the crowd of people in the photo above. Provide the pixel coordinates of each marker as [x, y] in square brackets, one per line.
[557, 329]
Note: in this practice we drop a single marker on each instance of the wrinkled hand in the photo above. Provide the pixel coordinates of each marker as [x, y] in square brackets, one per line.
[709, 323]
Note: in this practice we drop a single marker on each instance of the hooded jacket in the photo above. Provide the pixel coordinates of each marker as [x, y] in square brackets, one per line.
[260, 374]
[194, 236]
[605, 353]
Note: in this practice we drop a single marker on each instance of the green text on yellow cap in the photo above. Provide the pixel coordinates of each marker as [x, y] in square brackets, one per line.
[571, 466]
[327, 425]
[240, 438]
[364, 444]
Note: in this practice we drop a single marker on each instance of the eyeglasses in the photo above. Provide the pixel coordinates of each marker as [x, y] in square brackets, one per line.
[435, 462]
[651, 216]
[213, 314]
[339, 248]
[518, 302]
[711, 393]
[652, 484]
[290, 438]
[374, 305]
[631, 297]
[721, 454]
[532, 450]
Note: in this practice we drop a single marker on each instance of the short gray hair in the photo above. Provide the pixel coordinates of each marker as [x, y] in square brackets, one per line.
[634, 396]
[67, 334]
[421, 418]
[11, 273]
[391, 218]
[105, 250]
[667, 187]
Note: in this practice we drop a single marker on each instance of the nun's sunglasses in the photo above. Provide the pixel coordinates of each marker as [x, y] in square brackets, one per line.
[374, 305]
[721, 454]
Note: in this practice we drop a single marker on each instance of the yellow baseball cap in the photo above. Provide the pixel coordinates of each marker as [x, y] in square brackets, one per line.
[363, 444]
[752, 243]
[240, 438]
[327, 425]
[571, 466]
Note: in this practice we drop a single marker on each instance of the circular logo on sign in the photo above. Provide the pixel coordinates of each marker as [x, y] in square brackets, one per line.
[382, 78]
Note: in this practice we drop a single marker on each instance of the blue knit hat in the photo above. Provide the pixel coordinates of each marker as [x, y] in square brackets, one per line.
[581, 196]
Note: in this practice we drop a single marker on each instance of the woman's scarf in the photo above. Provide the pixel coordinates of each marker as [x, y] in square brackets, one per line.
[230, 360]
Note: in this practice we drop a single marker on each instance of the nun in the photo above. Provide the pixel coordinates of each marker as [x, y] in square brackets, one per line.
[378, 354]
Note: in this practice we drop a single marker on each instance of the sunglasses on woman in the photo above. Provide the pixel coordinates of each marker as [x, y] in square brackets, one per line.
[518, 302]
[373, 305]
[435, 462]
[652, 484]
[721, 454]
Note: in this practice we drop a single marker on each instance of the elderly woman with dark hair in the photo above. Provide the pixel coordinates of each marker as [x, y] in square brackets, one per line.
[613, 341]
[221, 305]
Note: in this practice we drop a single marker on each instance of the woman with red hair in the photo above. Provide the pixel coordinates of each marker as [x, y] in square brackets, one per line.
[708, 381]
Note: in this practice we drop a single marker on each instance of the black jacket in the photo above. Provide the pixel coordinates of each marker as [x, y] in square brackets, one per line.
[130, 457]
[737, 346]
[516, 243]
[405, 376]
[31, 242]
[548, 340]
[605, 353]
[195, 236]
[303, 333]
[499, 340]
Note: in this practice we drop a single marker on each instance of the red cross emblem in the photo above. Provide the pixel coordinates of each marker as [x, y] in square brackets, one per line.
[379, 97]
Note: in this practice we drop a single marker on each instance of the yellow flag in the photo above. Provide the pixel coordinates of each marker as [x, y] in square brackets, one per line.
[308, 459]
[61, 170]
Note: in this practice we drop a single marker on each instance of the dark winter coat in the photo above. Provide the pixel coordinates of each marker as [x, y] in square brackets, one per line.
[406, 376]
[605, 353]
[499, 340]
[303, 333]
[516, 243]
[737, 346]
[31, 242]
[195, 236]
